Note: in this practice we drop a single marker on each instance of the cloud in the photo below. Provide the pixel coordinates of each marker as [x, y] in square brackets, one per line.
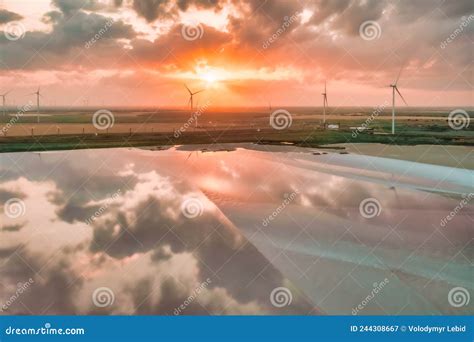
[152, 10]
[12, 228]
[146, 39]
[68, 37]
[141, 246]
[5, 195]
[7, 16]
[69, 7]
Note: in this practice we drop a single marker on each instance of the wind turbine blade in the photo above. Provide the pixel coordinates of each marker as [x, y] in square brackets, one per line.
[326, 99]
[324, 86]
[188, 89]
[199, 91]
[399, 73]
[401, 95]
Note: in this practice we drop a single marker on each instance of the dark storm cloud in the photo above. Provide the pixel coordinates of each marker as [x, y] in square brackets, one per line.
[408, 11]
[152, 10]
[7, 16]
[5, 195]
[74, 32]
[7, 252]
[327, 8]
[72, 212]
[71, 6]
[13, 227]
[346, 15]
[259, 20]
[53, 288]
[73, 197]
[200, 4]
[68, 35]
[350, 19]
[77, 188]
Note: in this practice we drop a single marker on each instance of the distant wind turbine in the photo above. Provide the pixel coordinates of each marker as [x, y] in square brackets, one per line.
[395, 88]
[196, 117]
[38, 94]
[191, 94]
[3, 96]
[325, 102]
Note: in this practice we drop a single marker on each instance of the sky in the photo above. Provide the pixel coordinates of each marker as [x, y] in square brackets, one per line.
[243, 53]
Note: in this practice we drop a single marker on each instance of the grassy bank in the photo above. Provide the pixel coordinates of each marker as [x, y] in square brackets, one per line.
[300, 137]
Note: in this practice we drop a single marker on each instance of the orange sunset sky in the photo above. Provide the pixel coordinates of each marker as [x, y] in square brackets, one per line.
[244, 53]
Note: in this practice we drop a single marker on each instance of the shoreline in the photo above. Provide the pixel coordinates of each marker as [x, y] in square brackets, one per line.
[302, 138]
[422, 146]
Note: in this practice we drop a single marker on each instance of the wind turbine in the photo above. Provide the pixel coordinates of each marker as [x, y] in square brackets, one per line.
[191, 94]
[3, 102]
[37, 93]
[325, 102]
[195, 116]
[395, 89]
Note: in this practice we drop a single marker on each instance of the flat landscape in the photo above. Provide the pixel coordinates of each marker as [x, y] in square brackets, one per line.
[72, 129]
[240, 158]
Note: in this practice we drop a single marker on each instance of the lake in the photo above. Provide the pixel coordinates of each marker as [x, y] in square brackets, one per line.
[237, 229]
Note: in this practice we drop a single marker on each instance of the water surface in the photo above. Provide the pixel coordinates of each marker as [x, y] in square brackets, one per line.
[154, 226]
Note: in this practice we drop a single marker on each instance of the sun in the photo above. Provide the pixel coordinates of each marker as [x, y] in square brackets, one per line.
[209, 77]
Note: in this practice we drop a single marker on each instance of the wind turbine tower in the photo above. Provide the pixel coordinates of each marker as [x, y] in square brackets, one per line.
[38, 95]
[395, 89]
[325, 103]
[3, 96]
